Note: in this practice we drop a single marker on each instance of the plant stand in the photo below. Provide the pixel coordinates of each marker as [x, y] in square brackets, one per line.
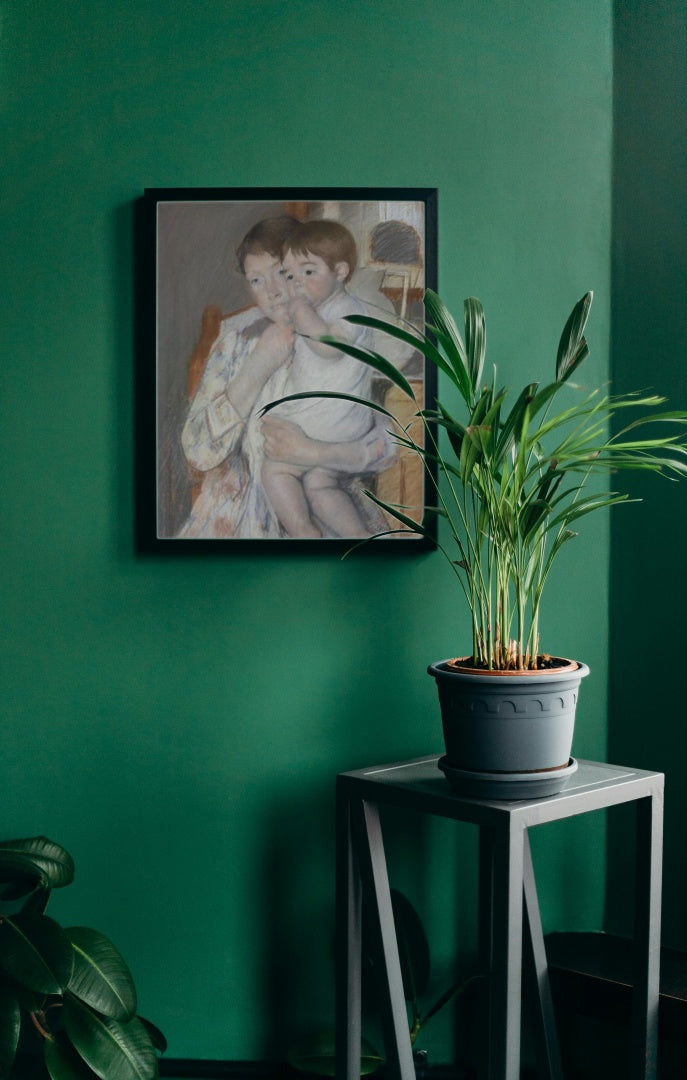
[507, 905]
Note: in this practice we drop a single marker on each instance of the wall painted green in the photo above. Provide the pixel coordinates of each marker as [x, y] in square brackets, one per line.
[178, 722]
[649, 334]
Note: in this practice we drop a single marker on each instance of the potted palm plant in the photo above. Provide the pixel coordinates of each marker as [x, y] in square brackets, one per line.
[67, 998]
[512, 474]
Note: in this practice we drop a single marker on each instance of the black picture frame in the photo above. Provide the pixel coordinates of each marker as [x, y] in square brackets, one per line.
[200, 326]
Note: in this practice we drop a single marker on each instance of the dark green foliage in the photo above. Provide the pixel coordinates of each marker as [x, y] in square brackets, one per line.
[68, 991]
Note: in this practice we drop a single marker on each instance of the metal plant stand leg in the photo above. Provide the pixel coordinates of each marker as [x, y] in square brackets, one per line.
[546, 1034]
[361, 870]
[647, 940]
[368, 833]
[506, 970]
[492, 1063]
[485, 944]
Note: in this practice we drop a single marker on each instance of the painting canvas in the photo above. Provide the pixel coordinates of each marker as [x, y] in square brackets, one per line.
[246, 283]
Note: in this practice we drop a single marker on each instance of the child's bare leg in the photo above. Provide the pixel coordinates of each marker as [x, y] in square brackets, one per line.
[283, 485]
[332, 505]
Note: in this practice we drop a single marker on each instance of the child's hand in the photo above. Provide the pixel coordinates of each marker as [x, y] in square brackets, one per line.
[302, 312]
[281, 314]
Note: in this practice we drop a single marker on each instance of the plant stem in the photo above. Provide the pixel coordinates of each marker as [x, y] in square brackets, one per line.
[39, 1025]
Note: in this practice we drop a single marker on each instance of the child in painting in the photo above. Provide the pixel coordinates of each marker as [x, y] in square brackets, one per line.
[318, 259]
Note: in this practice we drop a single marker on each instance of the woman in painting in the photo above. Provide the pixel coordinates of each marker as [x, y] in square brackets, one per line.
[224, 438]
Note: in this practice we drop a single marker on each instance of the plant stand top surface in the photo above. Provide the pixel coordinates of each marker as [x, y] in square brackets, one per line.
[419, 784]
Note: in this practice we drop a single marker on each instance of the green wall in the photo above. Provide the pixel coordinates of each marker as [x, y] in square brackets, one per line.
[177, 722]
[649, 333]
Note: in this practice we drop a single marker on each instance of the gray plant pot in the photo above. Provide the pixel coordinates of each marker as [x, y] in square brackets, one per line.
[508, 723]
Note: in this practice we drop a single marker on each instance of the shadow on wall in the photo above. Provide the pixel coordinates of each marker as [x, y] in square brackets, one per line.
[649, 341]
[298, 898]
[297, 893]
[296, 890]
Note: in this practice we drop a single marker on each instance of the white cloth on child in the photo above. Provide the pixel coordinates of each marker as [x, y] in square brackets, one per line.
[328, 418]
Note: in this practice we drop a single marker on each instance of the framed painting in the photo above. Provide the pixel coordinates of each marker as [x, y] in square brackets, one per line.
[245, 283]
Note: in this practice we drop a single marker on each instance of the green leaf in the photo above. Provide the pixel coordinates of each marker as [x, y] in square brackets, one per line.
[513, 425]
[114, 1051]
[543, 396]
[572, 347]
[396, 512]
[478, 437]
[475, 339]
[440, 314]
[455, 367]
[100, 976]
[329, 394]
[35, 951]
[534, 513]
[413, 947]
[29, 1000]
[317, 1055]
[36, 858]
[20, 886]
[417, 340]
[491, 420]
[156, 1037]
[449, 335]
[37, 902]
[10, 1024]
[373, 360]
[586, 505]
[454, 429]
[63, 1062]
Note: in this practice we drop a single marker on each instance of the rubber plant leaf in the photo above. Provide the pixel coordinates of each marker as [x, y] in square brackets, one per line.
[20, 886]
[63, 1062]
[114, 1051]
[38, 858]
[100, 976]
[156, 1037]
[37, 902]
[36, 952]
[30, 1001]
[413, 947]
[317, 1055]
[10, 1024]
